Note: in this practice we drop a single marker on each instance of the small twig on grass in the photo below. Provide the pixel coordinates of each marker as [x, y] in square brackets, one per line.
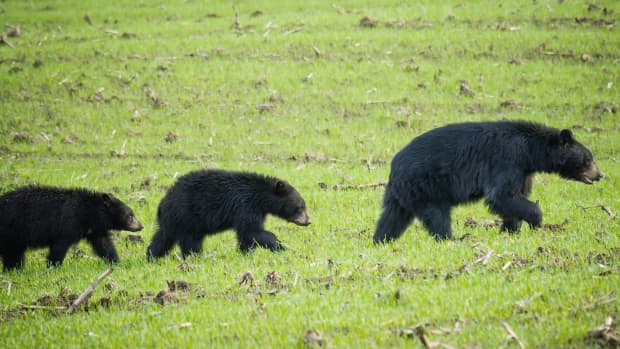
[25, 306]
[606, 299]
[511, 334]
[521, 305]
[389, 275]
[317, 52]
[420, 331]
[600, 205]
[6, 41]
[360, 186]
[463, 237]
[485, 258]
[423, 338]
[108, 30]
[296, 279]
[611, 214]
[294, 30]
[587, 207]
[384, 101]
[236, 23]
[353, 186]
[8, 286]
[88, 292]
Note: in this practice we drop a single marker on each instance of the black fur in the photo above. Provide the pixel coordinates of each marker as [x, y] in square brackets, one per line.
[461, 163]
[37, 216]
[206, 202]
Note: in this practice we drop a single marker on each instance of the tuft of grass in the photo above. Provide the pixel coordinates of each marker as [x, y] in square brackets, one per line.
[127, 98]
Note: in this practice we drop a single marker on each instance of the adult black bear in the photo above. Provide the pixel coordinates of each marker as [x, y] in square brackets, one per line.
[461, 163]
[38, 216]
[206, 202]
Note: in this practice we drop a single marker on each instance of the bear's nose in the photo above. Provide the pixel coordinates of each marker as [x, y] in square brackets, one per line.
[597, 176]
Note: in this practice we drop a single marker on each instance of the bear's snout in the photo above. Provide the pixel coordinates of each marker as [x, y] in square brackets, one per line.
[134, 225]
[301, 219]
[592, 174]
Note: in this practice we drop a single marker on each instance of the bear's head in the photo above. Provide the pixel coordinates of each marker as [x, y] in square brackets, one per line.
[575, 161]
[291, 206]
[118, 215]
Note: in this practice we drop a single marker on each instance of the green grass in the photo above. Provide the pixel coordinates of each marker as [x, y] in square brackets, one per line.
[303, 92]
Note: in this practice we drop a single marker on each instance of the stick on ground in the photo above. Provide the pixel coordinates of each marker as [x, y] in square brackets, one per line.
[33, 307]
[511, 334]
[88, 292]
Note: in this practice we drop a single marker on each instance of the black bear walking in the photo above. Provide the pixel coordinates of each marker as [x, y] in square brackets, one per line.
[37, 216]
[465, 162]
[206, 202]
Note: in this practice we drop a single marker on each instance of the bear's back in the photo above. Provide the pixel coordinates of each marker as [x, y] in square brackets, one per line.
[456, 146]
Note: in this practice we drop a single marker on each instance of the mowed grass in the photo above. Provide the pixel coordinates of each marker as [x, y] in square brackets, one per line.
[125, 98]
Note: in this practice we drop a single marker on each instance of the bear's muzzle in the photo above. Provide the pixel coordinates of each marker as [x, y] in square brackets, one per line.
[592, 174]
[301, 219]
[134, 225]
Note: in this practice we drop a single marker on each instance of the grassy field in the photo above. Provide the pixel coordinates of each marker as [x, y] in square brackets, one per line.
[125, 98]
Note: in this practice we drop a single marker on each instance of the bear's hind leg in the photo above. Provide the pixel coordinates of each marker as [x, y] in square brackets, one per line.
[393, 222]
[436, 219]
[160, 245]
[13, 259]
[57, 253]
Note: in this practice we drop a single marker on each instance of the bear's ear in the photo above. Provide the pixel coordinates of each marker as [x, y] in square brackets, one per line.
[282, 188]
[107, 199]
[566, 137]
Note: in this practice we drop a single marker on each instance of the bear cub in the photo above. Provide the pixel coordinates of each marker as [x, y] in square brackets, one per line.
[39, 216]
[209, 201]
[465, 162]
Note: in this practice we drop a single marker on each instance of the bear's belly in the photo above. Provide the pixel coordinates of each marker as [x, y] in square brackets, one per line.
[475, 196]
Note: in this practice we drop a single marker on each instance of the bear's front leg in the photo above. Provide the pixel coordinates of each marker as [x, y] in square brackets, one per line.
[511, 225]
[516, 207]
[264, 239]
[267, 239]
[103, 246]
